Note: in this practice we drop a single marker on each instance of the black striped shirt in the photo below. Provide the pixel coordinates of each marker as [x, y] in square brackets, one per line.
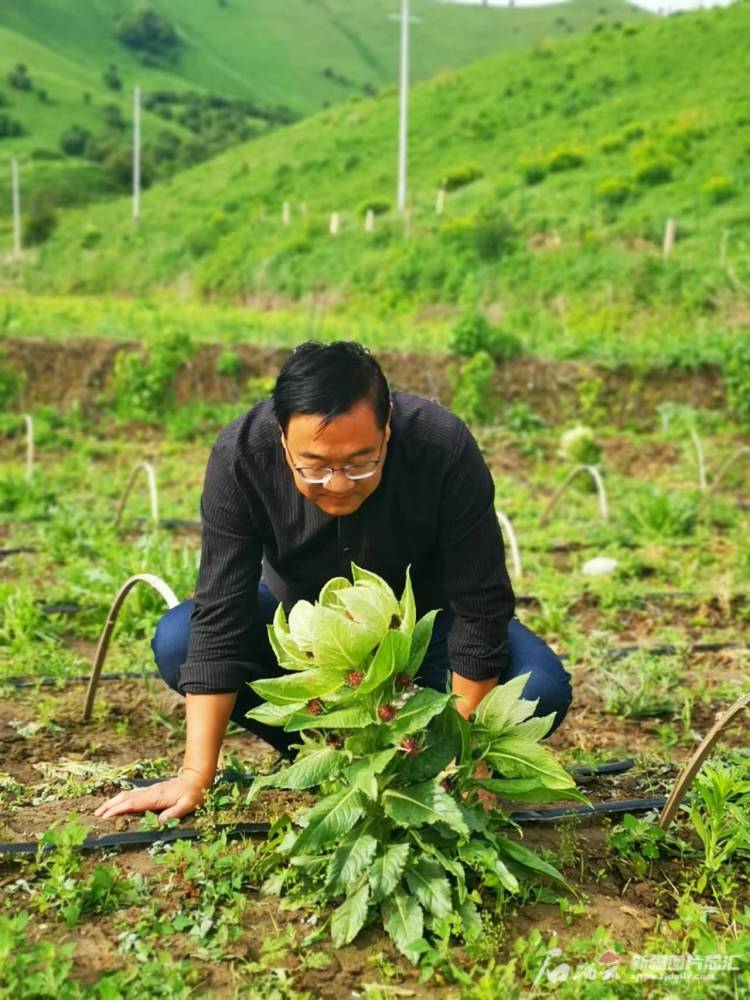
[433, 509]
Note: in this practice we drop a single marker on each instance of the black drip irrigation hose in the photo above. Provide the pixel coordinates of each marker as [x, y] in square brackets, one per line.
[147, 838]
[618, 653]
[32, 682]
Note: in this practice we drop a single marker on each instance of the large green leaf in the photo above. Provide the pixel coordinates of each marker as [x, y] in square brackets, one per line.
[420, 641]
[504, 706]
[363, 773]
[528, 859]
[274, 715]
[530, 790]
[534, 729]
[329, 819]
[472, 927]
[428, 883]
[328, 596]
[422, 804]
[386, 871]
[407, 607]
[300, 622]
[518, 758]
[338, 642]
[391, 657]
[349, 919]
[485, 858]
[404, 921]
[288, 653]
[438, 752]
[300, 686]
[349, 860]
[370, 606]
[417, 712]
[355, 717]
[307, 771]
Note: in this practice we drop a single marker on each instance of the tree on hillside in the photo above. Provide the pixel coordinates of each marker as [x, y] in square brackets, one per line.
[146, 32]
[19, 77]
[73, 140]
[111, 77]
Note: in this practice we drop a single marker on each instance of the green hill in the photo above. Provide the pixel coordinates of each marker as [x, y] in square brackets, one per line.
[243, 61]
[565, 161]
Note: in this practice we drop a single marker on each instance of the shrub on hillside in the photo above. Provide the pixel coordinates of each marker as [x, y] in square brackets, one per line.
[488, 233]
[19, 78]
[39, 223]
[719, 188]
[146, 32]
[614, 190]
[111, 77]
[633, 131]
[461, 176]
[74, 140]
[565, 157]
[11, 383]
[613, 143]
[579, 446]
[533, 169]
[228, 363]
[473, 333]
[9, 127]
[41, 155]
[652, 168]
[113, 116]
[471, 389]
[378, 206]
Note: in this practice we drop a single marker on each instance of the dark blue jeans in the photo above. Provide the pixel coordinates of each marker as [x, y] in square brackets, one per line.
[549, 680]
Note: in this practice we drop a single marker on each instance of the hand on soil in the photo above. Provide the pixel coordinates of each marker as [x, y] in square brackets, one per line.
[170, 799]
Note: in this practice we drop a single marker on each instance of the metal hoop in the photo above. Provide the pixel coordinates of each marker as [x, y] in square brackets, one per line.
[515, 552]
[101, 650]
[598, 482]
[152, 492]
[692, 767]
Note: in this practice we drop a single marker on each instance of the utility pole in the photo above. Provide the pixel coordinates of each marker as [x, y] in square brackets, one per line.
[15, 184]
[403, 124]
[136, 154]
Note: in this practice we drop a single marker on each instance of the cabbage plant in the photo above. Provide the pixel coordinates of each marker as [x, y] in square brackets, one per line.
[401, 830]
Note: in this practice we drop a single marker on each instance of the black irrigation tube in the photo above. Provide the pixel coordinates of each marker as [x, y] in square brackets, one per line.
[620, 653]
[32, 682]
[143, 838]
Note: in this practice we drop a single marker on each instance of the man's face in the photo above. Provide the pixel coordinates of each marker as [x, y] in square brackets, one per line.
[354, 438]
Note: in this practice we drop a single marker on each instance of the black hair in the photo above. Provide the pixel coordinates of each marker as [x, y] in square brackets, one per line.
[329, 379]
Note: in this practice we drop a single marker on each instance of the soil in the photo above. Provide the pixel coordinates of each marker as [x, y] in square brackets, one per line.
[59, 373]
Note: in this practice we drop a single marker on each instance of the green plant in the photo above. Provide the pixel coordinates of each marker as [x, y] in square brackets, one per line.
[719, 812]
[473, 332]
[579, 446]
[614, 190]
[228, 363]
[641, 687]
[719, 188]
[11, 383]
[142, 387]
[471, 389]
[378, 206]
[658, 513]
[460, 176]
[565, 157]
[33, 969]
[399, 831]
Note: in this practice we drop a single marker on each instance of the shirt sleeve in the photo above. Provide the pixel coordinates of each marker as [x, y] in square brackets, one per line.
[227, 590]
[475, 578]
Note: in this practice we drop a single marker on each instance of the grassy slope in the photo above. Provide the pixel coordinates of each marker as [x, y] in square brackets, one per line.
[249, 49]
[577, 270]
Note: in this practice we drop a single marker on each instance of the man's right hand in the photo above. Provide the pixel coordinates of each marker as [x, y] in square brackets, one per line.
[171, 799]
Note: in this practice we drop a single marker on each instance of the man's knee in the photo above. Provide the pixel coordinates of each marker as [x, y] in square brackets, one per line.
[170, 642]
[549, 681]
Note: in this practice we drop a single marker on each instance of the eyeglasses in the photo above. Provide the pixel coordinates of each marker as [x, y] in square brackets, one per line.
[354, 471]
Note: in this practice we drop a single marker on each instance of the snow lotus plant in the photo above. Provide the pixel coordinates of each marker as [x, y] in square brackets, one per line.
[400, 831]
